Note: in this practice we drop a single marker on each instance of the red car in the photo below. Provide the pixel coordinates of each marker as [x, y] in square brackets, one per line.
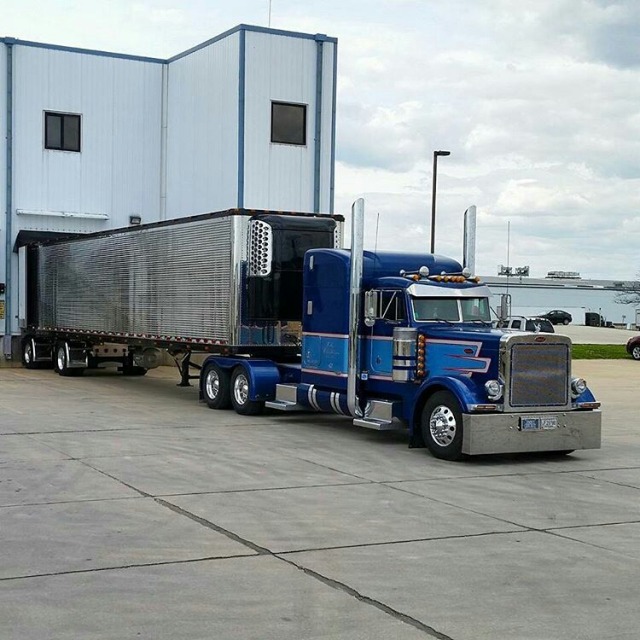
[633, 347]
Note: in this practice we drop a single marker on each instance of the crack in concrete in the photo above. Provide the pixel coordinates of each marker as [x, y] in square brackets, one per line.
[394, 613]
[214, 527]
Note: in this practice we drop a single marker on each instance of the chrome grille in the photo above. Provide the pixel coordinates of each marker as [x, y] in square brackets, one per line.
[538, 374]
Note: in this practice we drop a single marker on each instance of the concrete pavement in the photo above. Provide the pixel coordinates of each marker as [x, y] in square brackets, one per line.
[580, 334]
[129, 510]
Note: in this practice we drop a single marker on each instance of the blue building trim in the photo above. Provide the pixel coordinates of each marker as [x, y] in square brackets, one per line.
[90, 52]
[243, 28]
[332, 179]
[8, 312]
[318, 128]
[124, 56]
[242, 62]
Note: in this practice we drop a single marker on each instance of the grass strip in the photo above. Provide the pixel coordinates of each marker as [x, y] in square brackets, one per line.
[599, 352]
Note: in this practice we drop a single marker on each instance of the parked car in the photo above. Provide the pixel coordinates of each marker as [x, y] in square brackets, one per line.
[557, 316]
[520, 323]
[633, 347]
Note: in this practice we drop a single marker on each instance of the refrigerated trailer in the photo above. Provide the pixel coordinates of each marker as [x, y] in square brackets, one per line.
[228, 282]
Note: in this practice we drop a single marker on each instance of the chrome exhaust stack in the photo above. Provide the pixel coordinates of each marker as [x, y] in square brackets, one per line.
[355, 287]
[469, 240]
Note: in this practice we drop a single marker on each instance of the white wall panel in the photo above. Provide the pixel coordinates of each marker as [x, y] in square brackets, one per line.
[202, 141]
[118, 170]
[3, 157]
[280, 68]
[328, 117]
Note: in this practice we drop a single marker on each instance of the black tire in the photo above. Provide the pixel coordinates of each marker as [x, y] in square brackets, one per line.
[565, 321]
[28, 354]
[240, 391]
[216, 387]
[61, 364]
[441, 425]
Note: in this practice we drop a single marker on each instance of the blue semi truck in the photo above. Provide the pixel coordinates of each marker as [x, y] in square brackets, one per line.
[289, 320]
[405, 341]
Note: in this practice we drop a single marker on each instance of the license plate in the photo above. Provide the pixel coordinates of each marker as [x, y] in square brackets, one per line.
[538, 424]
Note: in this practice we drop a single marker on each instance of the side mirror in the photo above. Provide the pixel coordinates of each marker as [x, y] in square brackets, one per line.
[370, 307]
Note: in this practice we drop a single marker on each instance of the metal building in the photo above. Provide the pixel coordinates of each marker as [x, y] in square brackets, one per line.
[92, 140]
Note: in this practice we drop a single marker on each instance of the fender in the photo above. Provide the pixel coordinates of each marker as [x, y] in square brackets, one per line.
[464, 389]
[263, 374]
[585, 396]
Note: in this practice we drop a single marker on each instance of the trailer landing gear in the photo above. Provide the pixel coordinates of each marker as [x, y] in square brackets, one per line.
[183, 367]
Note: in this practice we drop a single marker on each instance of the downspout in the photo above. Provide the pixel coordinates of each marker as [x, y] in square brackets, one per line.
[355, 287]
[332, 181]
[8, 311]
[318, 125]
[164, 117]
[242, 62]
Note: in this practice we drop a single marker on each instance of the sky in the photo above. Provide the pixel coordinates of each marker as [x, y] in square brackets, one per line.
[538, 102]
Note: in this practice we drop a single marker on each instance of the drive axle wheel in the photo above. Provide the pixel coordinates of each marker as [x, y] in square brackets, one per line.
[240, 394]
[216, 387]
[441, 424]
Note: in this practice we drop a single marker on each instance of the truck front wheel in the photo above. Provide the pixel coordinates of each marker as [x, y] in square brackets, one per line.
[240, 392]
[441, 424]
[216, 387]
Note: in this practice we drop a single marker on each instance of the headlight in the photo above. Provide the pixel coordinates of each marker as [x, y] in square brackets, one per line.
[578, 386]
[493, 389]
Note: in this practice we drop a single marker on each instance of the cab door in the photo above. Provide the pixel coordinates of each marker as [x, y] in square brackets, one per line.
[386, 310]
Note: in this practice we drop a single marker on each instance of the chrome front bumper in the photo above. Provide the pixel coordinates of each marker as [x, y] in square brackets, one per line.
[500, 433]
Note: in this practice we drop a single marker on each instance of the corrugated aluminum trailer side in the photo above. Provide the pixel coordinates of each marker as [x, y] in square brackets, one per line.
[225, 281]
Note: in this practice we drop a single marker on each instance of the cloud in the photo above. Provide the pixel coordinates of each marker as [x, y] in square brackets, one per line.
[537, 102]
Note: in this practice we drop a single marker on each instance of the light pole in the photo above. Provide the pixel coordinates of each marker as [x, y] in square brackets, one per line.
[433, 196]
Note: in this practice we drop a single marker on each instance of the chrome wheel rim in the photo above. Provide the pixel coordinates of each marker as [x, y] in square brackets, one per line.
[241, 389]
[636, 353]
[28, 353]
[61, 359]
[212, 384]
[442, 426]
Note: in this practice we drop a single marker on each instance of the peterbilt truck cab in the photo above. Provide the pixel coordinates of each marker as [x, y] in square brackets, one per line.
[397, 340]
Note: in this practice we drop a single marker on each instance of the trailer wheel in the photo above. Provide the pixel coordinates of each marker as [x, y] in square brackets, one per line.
[216, 387]
[29, 354]
[61, 363]
[240, 391]
[441, 424]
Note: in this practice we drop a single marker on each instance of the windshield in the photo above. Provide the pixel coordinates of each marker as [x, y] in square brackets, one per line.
[451, 309]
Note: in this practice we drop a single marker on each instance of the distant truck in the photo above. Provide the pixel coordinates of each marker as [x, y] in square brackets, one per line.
[291, 321]
[521, 323]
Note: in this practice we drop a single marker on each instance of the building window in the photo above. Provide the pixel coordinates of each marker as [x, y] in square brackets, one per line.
[61, 131]
[288, 123]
